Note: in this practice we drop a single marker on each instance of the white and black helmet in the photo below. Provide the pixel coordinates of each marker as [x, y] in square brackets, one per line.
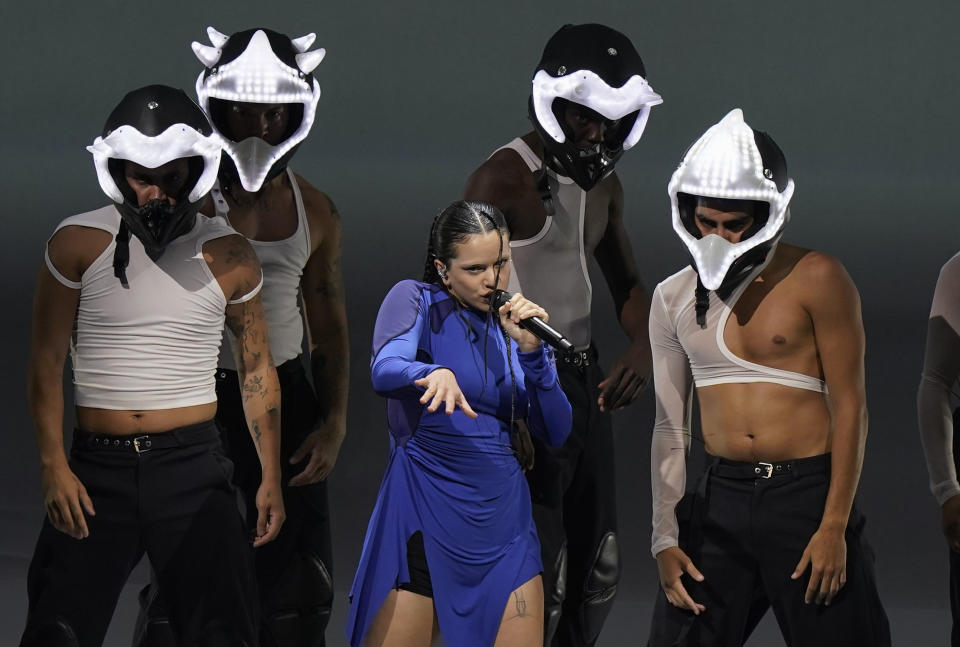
[153, 126]
[731, 161]
[599, 68]
[258, 66]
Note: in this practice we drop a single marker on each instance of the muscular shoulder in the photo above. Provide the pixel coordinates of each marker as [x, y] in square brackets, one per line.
[73, 248]
[812, 265]
[818, 277]
[500, 179]
[234, 264]
[321, 212]
[951, 270]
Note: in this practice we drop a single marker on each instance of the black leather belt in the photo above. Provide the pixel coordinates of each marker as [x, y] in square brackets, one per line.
[763, 470]
[139, 443]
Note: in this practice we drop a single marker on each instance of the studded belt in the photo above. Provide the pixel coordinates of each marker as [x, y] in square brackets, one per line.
[140, 443]
[576, 357]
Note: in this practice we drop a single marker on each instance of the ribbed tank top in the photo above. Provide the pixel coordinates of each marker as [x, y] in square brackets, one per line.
[155, 344]
[282, 262]
[551, 268]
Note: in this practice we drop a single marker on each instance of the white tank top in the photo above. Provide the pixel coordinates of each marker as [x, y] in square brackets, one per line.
[282, 262]
[153, 345]
[550, 268]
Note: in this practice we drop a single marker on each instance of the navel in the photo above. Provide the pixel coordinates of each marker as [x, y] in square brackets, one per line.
[779, 339]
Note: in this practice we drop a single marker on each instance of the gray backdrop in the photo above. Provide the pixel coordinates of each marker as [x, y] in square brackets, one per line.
[860, 95]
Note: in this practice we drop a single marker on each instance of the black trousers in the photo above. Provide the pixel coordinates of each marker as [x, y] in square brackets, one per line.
[574, 507]
[955, 557]
[175, 503]
[955, 598]
[746, 535]
[294, 571]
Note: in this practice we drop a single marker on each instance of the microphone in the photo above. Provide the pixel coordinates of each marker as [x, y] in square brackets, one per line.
[535, 325]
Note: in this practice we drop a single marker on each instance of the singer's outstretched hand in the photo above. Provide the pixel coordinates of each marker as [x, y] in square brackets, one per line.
[515, 310]
[442, 388]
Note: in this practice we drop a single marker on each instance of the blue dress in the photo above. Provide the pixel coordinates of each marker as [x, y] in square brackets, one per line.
[452, 477]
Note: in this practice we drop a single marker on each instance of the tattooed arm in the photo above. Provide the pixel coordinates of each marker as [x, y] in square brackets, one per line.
[238, 271]
[322, 288]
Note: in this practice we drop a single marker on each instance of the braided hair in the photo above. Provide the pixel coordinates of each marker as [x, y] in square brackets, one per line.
[451, 227]
[454, 225]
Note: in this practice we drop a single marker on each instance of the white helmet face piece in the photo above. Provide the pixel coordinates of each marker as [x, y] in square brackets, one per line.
[259, 66]
[727, 163]
[152, 127]
[586, 88]
[177, 141]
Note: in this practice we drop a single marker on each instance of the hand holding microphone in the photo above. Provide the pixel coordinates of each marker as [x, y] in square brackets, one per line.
[525, 321]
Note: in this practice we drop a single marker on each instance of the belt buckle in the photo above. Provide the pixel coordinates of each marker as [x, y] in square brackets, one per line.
[141, 444]
[578, 358]
[766, 468]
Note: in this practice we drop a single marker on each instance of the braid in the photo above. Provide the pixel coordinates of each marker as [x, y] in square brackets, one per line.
[429, 268]
[121, 253]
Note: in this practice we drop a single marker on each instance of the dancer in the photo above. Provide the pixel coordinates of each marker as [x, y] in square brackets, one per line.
[146, 471]
[771, 336]
[941, 367]
[564, 203]
[295, 231]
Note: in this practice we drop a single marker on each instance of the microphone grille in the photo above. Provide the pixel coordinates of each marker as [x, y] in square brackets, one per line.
[497, 298]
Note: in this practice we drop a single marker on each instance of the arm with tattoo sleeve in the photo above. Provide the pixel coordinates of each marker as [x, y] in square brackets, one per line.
[259, 386]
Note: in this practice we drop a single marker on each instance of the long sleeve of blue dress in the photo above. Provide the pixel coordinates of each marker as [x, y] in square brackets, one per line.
[549, 415]
[400, 322]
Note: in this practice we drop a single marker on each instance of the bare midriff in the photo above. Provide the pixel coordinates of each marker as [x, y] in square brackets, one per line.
[122, 423]
[763, 421]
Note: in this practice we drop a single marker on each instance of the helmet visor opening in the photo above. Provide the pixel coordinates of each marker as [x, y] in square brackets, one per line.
[687, 204]
[237, 121]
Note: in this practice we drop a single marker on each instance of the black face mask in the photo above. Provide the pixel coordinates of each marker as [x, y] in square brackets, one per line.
[158, 222]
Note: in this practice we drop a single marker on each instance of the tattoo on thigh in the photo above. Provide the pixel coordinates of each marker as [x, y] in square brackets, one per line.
[520, 602]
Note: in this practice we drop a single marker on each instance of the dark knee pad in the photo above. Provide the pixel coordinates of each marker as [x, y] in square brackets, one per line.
[600, 587]
[152, 628]
[296, 611]
[50, 633]
[554, 595]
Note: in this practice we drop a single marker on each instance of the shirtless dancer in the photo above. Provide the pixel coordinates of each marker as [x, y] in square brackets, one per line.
[780, 383]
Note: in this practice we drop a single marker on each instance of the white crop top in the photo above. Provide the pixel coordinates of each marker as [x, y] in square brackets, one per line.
[282, 262]
[685, 354]
[153, 345]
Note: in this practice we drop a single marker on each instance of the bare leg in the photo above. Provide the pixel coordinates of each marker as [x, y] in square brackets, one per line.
[522, 622]
[406, 619]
